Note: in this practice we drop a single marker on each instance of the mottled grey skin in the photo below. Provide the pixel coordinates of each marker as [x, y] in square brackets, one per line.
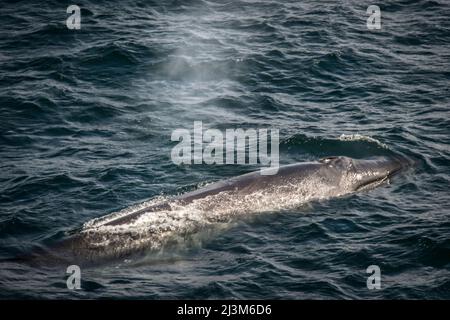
[328, 177]
[333, 169]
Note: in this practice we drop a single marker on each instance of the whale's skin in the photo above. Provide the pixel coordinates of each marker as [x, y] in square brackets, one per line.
[331, 169]
[118, 236]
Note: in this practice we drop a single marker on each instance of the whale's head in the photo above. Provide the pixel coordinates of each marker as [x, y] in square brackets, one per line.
[361, 174]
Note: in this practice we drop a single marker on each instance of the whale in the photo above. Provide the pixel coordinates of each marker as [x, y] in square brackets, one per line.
[158, 222]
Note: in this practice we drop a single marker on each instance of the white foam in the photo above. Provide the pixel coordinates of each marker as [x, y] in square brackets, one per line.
[97, 222]
[359, 137]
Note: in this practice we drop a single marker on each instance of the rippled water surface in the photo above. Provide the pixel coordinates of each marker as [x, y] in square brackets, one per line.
[86, 117]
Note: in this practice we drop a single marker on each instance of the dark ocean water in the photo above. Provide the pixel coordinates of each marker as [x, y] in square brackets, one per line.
[86, 117]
